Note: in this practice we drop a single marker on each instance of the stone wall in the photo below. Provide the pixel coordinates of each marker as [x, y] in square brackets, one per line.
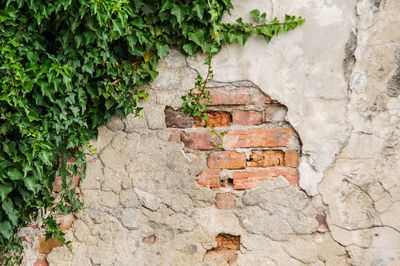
[337, 77]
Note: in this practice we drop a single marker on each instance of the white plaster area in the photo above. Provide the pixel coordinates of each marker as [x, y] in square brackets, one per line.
[302, 69]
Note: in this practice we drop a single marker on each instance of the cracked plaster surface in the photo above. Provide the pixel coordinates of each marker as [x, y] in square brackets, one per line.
[337, 76]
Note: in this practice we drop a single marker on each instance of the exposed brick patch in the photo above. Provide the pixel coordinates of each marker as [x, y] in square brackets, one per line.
[177, 119]
[200, 140]
[256, 138]
[266, 158]
[251, 178]
[215, 119]
[225, 251]
[258, 145]
[209, 178]
[226, 160]
[243, 117]
[292, 158]
[225, 201]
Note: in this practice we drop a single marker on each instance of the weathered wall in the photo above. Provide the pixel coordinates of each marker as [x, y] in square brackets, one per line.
[339, 77]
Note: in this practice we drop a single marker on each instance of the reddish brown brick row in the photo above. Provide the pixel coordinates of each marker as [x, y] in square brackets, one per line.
[251, 178]
[256, 138]
[177, 119]
[258, 158]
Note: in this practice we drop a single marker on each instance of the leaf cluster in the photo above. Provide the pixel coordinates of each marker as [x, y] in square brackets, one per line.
[68, 66]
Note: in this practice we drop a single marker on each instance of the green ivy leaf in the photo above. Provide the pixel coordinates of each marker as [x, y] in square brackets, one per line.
[179, 12]
[14, 174]
[255, 14]
[46, 157]
[5, 189]
[162, 50]
[199, 9]
[166, 5]
[12, 214]
[197, 37]
[31, 183]
[241, 39]
[190, 48]
[6, 229]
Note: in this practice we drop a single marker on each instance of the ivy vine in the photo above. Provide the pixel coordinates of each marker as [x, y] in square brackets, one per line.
[68, 66]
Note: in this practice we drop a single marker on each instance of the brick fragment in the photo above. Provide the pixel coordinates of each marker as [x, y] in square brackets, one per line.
[226, 257]
[200, 140]
[250, 179]
[226, 160]
[245, 118]
[322, 224]
[227, 242]
[150, 240]
[225, 201]
[177, 119]
[65, 221]
[266, 158]
[209, 178]
[275, 113]
[45, 246]
[292, 158]
[215, 119]
[41, 261]
[254, 138]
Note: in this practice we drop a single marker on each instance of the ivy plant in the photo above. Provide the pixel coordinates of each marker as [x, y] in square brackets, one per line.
[68, 66]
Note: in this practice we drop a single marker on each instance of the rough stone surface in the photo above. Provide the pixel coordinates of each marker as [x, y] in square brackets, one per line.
[337, 76]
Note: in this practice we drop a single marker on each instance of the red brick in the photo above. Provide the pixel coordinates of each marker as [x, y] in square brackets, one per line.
[275, 112]
[215, 119]
[292, 158]
[230, 97]
[200, 140]
[45, 246]
[266, 158]
[209, 178]
[245, 118]
[250, 179]
[253, 138]
[225, 201]
[226, 160]
[177, 119]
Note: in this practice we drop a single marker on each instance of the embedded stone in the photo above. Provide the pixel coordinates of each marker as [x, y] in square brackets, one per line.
[148, 200]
